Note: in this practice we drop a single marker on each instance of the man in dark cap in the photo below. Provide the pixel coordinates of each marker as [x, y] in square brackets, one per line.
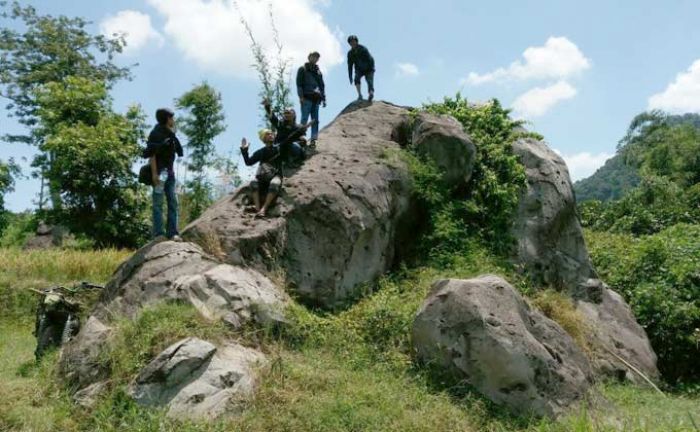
[161, 149]
[312, 93]
[363, 61]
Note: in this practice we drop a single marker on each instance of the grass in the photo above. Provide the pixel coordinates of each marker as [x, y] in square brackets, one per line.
[37, 269]
[345, 371]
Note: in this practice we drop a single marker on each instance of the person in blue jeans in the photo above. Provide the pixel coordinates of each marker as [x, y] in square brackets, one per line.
[312, 93]
[162, 148]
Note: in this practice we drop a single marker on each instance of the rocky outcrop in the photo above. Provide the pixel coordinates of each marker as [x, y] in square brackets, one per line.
[616, 337]
[176, 271]
[442, 139]
[550, 240]
[80, 363]
[196, 380]
[339, 221]
[183, 271]
[482, 331]
[552, 250]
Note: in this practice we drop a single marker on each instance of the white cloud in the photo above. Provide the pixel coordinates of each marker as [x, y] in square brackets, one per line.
[406, 70]
[210, 33]
[558, 58]
[537, 101]
[682, 95]
[134, 26]
[582, 165]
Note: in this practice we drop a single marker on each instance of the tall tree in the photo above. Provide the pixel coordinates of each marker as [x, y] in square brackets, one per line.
[48, 49]
[203, 121]
[93, 152]
[8, 171]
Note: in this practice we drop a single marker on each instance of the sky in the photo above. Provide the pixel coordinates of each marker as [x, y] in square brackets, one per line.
[577, 72]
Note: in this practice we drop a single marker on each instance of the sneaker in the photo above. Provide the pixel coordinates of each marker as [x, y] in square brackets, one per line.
[360, 98]
[176, 238]
[371, 96]
[159, 238]
[312, 144]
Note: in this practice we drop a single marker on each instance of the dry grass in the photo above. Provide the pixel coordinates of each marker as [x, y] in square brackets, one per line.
[21, 270]
[560, 308]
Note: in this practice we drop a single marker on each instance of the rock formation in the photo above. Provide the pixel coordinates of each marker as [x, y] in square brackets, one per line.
[342, 221]
[482, 331]
[551, 248]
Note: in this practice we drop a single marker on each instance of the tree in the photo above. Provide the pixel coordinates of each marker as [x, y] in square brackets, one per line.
[274, 78]
[203, 121]
[8, 171]
[93, 150]
[48, 50]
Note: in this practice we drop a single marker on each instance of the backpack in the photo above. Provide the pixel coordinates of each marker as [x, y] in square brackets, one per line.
[145, 175]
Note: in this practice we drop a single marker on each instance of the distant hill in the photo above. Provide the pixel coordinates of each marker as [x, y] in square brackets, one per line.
[615, 178]
[609, 182]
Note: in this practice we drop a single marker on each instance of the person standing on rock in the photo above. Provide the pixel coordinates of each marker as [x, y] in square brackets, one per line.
[162, 148]
[268, 177]
[363, 61]
[312, 93]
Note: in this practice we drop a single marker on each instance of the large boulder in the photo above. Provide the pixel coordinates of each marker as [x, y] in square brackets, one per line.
[341, 217]
[550, 240]
[443, 140]
[482, 331]
[194, 379]
[183, 271]
[176, 271]
[619, 341]
[552, 250]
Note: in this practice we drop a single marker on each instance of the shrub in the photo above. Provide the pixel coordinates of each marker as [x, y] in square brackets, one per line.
[485, 209]
[659, 275]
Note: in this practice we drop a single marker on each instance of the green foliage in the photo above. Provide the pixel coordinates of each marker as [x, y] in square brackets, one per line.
[659, 275]
[49, 49]
[657, 203]
[486, 208]
[137, 342]
[274, 78]
[19, 227]
[8, 172]
[203, 122]
[91, 152]
[610, 182]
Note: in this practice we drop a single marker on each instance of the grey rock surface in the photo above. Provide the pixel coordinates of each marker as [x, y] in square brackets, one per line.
[183, 271]
[482, 331]
[337, 223]
[80, 362]
[443, 140]
[616, 334]
[547, 229]
[551, 248]
[195, 380]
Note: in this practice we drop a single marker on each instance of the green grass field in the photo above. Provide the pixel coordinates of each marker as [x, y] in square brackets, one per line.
[348, 371]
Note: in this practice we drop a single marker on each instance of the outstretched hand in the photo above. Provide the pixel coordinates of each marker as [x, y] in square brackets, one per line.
[244, 144]
[309, 124]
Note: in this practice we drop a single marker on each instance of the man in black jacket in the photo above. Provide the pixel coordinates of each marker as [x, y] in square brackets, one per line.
[292, 152]
[161, 149]
[270, 169]
[312, 93]
[363, 61]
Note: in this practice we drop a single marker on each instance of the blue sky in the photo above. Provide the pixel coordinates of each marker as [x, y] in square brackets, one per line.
[577, 71]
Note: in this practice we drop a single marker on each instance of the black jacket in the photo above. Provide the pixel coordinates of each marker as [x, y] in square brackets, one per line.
[164, 145]
[361, 59]
[310, 83]
[276, 155]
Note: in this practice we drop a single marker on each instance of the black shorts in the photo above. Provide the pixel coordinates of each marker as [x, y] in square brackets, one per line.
[369, 76]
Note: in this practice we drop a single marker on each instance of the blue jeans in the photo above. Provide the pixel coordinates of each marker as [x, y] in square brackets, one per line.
[168, 191]
[308, 107]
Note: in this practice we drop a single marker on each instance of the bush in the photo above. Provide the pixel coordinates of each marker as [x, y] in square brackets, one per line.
[656, 204]
[485, 210]
[659, 275]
